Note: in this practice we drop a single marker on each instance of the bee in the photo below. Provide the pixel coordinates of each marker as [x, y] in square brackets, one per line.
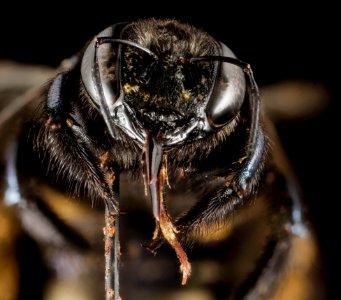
[163, 105]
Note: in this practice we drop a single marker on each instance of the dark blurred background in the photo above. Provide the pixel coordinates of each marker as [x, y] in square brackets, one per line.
[281, 41]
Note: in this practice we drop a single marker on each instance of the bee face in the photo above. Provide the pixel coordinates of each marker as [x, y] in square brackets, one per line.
[145, 71]
[170, 82]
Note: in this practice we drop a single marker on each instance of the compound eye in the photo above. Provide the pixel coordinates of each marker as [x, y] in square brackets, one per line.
[228, 92]
[107, 66]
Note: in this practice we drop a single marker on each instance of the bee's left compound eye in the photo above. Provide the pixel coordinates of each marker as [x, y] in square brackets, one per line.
[228, 92]
[107, 68]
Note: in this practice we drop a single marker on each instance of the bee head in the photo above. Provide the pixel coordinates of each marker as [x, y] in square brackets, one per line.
[144, 77]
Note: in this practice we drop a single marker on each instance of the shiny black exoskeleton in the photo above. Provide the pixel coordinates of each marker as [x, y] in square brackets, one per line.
[162, 101]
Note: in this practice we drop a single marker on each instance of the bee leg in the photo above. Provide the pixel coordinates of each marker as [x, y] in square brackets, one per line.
[110, 185]
[111, 251]
[65, 122]
[216, 208]
[30, 204]
[59, 142]
[246, 178]
[103, 181]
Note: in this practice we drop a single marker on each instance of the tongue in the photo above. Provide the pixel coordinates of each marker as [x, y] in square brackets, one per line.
[154, 161]
[156, 176]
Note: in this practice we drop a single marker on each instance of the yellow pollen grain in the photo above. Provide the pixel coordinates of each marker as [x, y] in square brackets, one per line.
[128, 88]
[200, 97]
[146, 97]
[185, 94]
[69, 122]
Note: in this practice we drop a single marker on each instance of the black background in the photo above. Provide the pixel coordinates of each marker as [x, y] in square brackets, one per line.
[281, 41]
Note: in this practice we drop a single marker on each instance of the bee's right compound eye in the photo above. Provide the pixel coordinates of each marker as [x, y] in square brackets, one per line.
[106, 70]
[228, 92]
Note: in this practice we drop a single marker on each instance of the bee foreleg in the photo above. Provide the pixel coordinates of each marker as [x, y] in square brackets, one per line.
[215, 209]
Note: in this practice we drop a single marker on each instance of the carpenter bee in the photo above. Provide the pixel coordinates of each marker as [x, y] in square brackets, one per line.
[162, 105]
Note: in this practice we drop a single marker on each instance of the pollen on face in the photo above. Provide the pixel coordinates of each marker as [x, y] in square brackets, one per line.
[146, 97]
[185, 94]
[128, 88]
[200, 97]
